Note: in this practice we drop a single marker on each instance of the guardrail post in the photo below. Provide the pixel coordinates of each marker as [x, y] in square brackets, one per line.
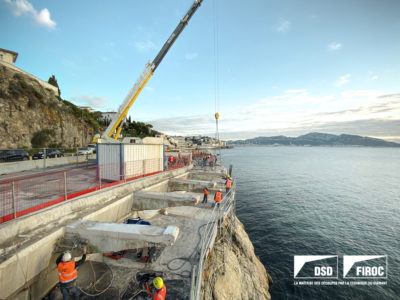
[65, 186]
[14, 200]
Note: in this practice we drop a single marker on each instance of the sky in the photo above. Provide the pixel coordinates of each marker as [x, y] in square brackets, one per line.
[284, 67]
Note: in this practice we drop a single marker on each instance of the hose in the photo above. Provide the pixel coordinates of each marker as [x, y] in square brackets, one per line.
[94, 282]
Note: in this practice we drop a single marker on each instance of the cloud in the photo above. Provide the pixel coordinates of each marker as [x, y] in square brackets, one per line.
[334, 46]
[43, 18]
[342, 80]
[93, 101]
[24, 7]
[374, 77]
[191, 56]
[144, 46]
[295, 112]
[283, 25]
[184, 125]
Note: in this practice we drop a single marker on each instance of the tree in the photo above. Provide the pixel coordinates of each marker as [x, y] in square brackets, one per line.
[53, 81]
[42, 138]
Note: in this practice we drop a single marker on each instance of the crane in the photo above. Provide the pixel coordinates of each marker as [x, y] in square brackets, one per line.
[113, 130]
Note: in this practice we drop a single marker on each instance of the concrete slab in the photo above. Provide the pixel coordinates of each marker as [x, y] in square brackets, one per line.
[106, 237]
[190, 185]
[176, 261]
[158, 200]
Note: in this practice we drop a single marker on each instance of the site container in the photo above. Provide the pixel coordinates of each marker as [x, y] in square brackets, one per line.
[125, 161]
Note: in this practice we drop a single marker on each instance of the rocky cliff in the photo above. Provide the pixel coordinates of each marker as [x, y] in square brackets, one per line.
[26, 108]
[233, 271]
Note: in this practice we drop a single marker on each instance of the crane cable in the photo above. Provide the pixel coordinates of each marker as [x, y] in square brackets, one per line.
[216, 78]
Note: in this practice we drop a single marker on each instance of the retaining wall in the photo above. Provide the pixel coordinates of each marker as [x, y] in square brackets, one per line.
[27, 261]
[20, 166]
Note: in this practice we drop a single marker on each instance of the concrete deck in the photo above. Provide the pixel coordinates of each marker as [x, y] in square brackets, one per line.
[177, 250]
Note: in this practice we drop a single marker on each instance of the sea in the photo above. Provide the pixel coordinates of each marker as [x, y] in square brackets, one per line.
[325, 201]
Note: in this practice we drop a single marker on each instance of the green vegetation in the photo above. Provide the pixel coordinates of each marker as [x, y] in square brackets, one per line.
[53, 81]
[18, 88]
[138, 129]
[92, 119]
[42, 138]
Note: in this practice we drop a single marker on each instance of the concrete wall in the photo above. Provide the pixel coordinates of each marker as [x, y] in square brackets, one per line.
[27, 243]
[6, 57]
[43, 83]
[19, 166]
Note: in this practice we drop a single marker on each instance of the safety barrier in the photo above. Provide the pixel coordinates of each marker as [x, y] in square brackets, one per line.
[208, 236]
[21, 196]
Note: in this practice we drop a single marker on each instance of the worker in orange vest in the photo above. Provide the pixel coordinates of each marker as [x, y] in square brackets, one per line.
[161, 290]
[67, 273]
[205, 192]
[217, 198]
[228, 184]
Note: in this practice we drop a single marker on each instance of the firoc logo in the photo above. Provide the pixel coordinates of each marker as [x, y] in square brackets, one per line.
[315, 266]
[364, 266]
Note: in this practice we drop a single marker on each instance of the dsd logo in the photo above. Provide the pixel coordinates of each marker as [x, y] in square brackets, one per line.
[365, 266]
[316, 266]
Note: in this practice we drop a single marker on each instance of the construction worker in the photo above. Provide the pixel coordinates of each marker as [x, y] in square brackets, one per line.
[67, 274]
[161, 290]
[217, 198]
[228, 184]
[205, 192]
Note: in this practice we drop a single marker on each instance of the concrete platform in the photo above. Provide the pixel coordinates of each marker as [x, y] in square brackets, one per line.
[106, 237]
[158, 200]
[190, 185]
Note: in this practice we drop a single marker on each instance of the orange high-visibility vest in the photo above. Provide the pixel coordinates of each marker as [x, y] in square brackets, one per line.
[67, 271]
[205, 192]
[218, 196]
[228, 183]
[160, 295]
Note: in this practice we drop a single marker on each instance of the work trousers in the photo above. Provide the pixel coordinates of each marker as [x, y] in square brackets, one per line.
[69, 290]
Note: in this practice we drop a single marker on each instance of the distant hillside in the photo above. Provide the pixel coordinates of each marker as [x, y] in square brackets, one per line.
[318, 139]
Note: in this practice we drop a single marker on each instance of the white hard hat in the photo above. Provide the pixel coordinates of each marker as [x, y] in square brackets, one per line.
[66, 257]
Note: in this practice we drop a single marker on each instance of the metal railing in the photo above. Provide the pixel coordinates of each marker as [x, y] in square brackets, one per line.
[208, 236]
[24, 195]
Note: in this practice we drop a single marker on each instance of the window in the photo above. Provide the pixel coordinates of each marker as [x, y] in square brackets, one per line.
[1, 56]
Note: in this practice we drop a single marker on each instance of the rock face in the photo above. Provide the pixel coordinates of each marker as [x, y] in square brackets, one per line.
[27, 107]
[242, 276]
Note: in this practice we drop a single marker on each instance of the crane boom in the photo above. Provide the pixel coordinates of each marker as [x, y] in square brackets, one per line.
[117, 120]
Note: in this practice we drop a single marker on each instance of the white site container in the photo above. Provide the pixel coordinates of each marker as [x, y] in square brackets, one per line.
[125, 161]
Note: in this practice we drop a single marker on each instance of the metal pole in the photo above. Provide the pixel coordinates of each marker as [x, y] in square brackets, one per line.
[14, 200]
[44, 158]
[99, 176]
[192, 287]
[65, 186]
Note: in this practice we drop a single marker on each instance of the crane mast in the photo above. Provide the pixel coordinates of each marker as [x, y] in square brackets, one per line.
[114, 129]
